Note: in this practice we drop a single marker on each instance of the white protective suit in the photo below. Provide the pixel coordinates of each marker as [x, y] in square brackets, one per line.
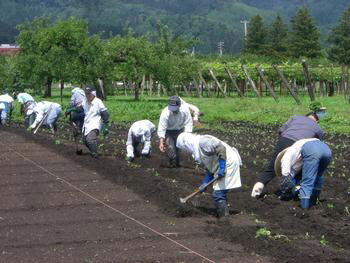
[92, 120]
[192, 108]
[170, 121]
[140, 132]
[42, 109]
[77, 98]
[204, 150]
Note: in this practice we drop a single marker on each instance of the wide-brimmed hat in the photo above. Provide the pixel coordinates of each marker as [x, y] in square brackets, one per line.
[174, 103]
[278, 165]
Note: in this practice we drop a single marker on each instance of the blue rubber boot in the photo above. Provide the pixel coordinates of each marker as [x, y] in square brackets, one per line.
[305, 203]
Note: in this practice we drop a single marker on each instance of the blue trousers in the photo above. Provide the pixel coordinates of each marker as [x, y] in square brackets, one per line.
[316, 157]
[220, 195]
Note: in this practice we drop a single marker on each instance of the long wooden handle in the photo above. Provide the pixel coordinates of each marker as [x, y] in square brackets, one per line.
[185, 199]
[44, 118]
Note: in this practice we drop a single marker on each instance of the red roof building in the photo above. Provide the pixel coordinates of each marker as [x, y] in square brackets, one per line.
[7, 49]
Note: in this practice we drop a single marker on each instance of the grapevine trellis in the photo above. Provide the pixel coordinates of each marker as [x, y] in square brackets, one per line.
[247, 80]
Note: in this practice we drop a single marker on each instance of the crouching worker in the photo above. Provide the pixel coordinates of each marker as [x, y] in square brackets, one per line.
[219, 159]
[174, 119]
[96, 119]
[76, 115]
[139, 132]
[6, 108]
[45, 114]
[310, 158]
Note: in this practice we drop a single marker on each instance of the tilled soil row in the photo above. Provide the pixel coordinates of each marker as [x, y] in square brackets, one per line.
[320, 234]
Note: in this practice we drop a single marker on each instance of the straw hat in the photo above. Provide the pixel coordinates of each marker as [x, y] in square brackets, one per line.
[277, 166]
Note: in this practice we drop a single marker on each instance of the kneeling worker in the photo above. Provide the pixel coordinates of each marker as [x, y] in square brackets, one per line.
[310, 157]
[139, 132]
[219, 159]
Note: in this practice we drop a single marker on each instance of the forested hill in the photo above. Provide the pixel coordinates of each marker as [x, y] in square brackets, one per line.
[210, 21]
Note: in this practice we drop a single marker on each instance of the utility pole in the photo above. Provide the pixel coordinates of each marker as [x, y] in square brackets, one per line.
[193, 51]
[245, 22]
[220, 47]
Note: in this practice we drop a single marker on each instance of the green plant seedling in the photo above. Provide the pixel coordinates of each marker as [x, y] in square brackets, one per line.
[263, 232]
[323, 241]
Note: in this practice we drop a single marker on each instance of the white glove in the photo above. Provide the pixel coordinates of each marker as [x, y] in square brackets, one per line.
[129, 151]
[257, 189]
[146, 148]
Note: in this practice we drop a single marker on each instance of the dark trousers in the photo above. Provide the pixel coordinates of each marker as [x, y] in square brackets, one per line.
[90, 140]
[171, 150]
[269, 173]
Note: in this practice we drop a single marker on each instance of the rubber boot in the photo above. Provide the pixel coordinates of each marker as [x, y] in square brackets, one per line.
[314, 197]
[222, 209]
[305, 203]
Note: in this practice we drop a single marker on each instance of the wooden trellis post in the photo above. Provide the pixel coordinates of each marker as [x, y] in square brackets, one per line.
[198, 89]
[285, 82]
[310, 87]
[234, 82]
[251, 82]
[267, 84]
[201, 79]
[217, 82]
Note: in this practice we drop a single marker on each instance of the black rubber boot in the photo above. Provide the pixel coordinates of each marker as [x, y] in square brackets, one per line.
[222, 209]
[314, 197]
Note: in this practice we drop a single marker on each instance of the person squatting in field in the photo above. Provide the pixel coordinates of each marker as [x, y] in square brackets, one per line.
[46, 113]
[296, 128]
[6, 107]
[219, 159]
[27, 103]
[302, 166]
[174, 119]
[96, 119]
[76, 114]
[140, 132]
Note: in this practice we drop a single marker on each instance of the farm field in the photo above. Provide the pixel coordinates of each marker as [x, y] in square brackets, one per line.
[66, 223]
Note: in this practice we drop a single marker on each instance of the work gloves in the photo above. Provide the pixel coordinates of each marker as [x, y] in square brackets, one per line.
[208, 177]
[257, 189]
[222, 168]
[104, 129]
[287, 187]
[69, 110]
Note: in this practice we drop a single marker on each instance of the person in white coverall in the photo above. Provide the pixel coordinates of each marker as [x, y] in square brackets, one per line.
[139, 132]
[219, 159]
[27, 103]
[195, 113]
[45, 111]
[6, 107]
[96, 120]
[174, 119]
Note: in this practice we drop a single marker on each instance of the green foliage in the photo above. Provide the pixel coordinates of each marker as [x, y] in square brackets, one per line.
[278, 39]
[340, 40]
[305, 37]
[256, 39]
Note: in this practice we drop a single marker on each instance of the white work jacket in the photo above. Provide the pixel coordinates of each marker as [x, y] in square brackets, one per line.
[140, 131]
[206, 150]
[41, 110]
[6, 98]
[92, 110]
[292, 159]
[175, 121]
[78, 97]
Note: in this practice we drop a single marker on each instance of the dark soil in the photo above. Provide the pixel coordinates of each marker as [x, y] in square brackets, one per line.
[320, 234]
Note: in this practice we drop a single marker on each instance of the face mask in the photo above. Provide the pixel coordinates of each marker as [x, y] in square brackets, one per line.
[321, 114]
